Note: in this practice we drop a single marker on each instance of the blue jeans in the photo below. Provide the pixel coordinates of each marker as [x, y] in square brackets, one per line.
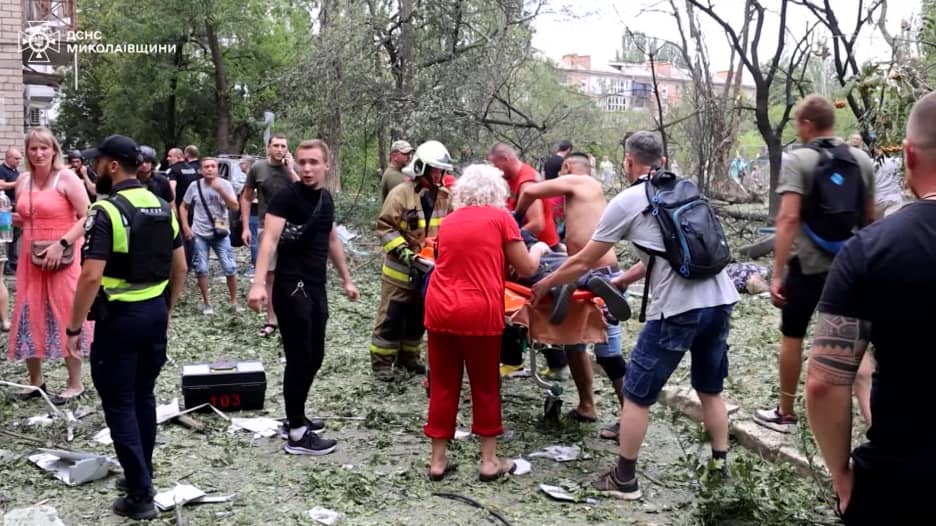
[254, 224]
[222, 248]
[662, 344]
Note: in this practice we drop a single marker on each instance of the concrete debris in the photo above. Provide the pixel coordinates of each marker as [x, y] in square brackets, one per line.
[73, 467]
[558, 453]
[324, 516]
[33, 516]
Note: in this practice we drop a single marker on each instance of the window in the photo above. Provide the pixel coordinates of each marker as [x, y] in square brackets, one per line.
[616, 103]
[35, 117]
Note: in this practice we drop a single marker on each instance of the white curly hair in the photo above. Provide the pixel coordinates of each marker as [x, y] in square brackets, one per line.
[480, 185]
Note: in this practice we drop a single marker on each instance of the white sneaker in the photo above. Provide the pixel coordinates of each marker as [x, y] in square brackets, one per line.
[773, 419]
[207, 310]
[237, 308]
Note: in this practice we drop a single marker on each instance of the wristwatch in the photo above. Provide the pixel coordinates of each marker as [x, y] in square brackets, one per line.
[64, 243]
[69, 332]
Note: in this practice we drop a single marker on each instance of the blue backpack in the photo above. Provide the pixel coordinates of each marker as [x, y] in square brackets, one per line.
[694, 241]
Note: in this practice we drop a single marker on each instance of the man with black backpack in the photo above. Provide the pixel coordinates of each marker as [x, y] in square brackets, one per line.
[827, 194]
[692, 298]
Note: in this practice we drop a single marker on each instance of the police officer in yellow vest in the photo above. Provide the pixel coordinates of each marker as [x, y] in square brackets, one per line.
[133, 252]
[411, 213]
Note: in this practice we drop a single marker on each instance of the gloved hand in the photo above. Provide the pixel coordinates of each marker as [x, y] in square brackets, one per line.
[406, 256]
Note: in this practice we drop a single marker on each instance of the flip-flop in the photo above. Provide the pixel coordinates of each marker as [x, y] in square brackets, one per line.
[502, 472]
[62, 400]
[449, 469]
[613, 297]
[267, 330]
[610, 432]
[574, 415]
[29, 395]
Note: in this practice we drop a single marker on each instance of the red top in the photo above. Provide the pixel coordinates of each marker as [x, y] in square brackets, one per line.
[527, 174]
[466, 291]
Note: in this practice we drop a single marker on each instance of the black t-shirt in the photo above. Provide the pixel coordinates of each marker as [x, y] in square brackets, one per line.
[302, 252]
[552, 167]
[184, 174]
[885, 275]
[9, 175]
[159, 185]
[99, 234]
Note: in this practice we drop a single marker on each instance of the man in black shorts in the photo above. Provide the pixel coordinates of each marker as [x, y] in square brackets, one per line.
[807, 263]
[881, 290]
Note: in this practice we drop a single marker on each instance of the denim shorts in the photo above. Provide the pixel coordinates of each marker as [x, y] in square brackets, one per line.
[222, 248]
[662, 344]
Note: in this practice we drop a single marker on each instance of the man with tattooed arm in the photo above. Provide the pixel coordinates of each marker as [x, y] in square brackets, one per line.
[881, 289]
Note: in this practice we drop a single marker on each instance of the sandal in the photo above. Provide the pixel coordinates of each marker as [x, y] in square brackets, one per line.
[267, 330]
[610, 432]
[449, 469]
[505, 469]
[575, 416]
[29, 395]
[62, 400]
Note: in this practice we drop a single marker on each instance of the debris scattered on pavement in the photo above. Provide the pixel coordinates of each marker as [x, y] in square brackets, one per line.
[324, 516]
[39, 420]
[561, 494]
[260, 426]
[461, 434]
[558, 453]
[184, 494]
[33, 516]
[103, 437]
[521, 467]
[72, 467]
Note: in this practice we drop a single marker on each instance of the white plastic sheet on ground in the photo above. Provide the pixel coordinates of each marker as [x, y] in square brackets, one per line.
[72, 467]
[324, 516]
[558, 453]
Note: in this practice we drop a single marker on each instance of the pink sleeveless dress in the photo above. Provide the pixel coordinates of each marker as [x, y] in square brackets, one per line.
[44, 298]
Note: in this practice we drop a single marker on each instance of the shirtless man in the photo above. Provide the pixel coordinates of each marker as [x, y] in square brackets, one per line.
[584, 204]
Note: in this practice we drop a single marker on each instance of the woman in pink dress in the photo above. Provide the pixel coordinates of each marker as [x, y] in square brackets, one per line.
[51, 205]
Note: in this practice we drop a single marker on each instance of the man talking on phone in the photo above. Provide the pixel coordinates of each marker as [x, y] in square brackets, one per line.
[264, 179]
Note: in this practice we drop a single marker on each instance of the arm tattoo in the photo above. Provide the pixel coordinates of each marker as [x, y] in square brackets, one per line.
[837, 348]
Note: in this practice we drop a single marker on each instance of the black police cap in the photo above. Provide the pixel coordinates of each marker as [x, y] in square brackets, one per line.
[117, 147]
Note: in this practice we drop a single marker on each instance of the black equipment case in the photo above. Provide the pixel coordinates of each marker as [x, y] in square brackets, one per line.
[229, 386]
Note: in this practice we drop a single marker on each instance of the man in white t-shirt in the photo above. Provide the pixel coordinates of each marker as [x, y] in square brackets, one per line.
[684, 315]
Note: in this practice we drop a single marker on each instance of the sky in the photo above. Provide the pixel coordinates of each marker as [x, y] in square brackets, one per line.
[595, 27]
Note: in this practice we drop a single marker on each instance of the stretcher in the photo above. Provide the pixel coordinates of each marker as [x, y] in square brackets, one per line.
[584, 323]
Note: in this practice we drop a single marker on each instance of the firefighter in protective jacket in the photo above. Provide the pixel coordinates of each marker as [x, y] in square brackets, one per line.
[411, 213]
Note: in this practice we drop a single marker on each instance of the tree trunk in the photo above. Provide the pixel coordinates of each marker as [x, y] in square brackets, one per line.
[172, 128]
[775, 154]
[222, 94]
[330, 124]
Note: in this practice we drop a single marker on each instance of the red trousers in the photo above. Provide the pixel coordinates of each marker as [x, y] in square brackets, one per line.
[449, 355]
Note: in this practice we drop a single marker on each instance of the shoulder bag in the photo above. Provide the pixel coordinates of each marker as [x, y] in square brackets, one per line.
[36, 247]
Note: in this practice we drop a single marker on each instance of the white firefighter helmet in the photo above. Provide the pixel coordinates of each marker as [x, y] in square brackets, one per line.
[429, 154]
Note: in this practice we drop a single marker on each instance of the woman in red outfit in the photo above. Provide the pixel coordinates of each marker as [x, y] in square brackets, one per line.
[465, 313]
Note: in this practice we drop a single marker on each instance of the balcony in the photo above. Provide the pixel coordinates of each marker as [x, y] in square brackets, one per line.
[56, 14]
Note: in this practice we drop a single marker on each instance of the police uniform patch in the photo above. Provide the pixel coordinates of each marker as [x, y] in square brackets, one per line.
[89, 221]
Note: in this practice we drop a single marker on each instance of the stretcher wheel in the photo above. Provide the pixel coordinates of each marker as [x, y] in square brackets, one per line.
[552, 408]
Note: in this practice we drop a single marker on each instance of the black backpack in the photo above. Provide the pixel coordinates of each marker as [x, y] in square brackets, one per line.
[693, 237]
[835, 207]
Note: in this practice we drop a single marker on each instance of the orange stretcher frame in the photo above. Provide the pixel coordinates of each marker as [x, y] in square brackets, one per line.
[515, 294]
